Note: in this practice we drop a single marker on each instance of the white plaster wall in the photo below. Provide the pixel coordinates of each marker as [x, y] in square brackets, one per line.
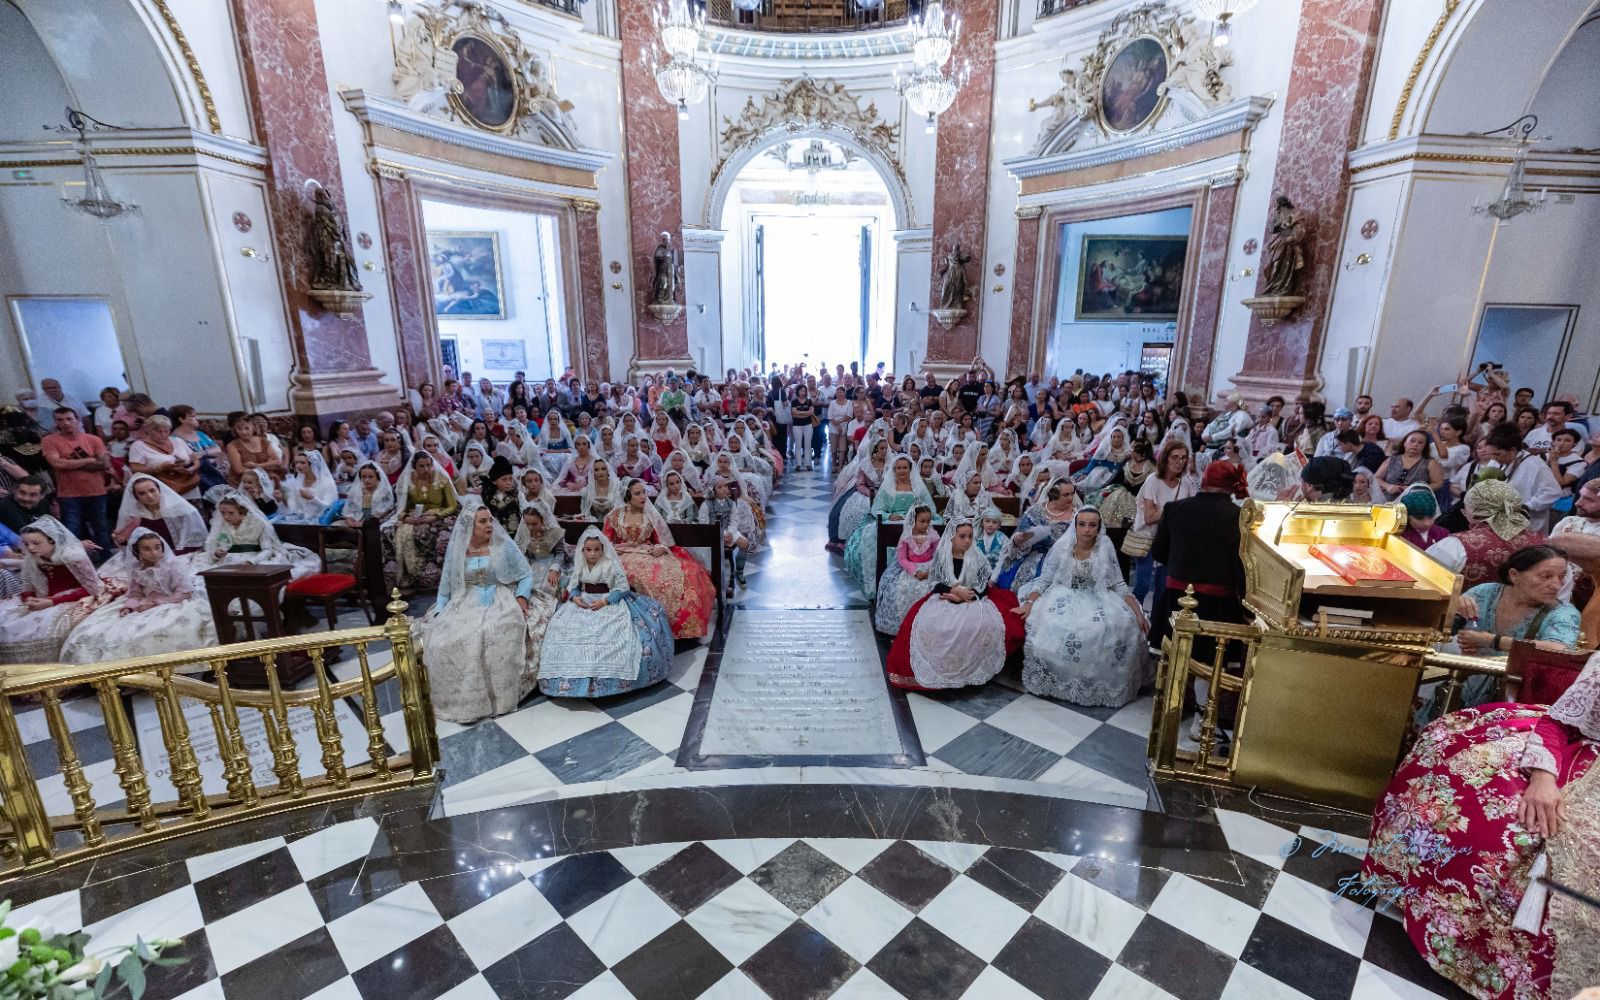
[208, 27]
[35, 91]
[120, 74]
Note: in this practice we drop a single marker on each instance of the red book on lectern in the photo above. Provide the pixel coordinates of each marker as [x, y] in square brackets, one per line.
[1362, 565]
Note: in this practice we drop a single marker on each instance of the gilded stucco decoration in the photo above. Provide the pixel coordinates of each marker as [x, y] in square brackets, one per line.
[462, 60]
[1149, 55]
[804, 104]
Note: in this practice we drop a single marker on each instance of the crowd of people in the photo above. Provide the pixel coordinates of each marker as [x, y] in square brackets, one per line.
[1046, 522]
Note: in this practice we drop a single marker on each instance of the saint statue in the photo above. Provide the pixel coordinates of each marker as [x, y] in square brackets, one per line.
[953, 279]
[332, 264]
[1283, 259]
[664, 289]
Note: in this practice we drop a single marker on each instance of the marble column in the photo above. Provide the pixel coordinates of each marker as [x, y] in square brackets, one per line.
[1024, 285]
[655, 190]
[1192, 369]
[1335, 48]
[595, 349]
[410, 274]
[961, 182]
[280, 51]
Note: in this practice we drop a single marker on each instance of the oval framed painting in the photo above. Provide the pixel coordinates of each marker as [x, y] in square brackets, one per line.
[1130, 91]
[489, 93]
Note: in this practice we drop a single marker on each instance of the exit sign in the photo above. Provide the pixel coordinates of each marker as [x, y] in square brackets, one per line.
[22, 175]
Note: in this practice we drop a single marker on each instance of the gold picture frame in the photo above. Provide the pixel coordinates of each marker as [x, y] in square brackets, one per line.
[491, 96]
[1131, 92]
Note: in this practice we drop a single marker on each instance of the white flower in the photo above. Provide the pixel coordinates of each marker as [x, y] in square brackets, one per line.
[86, 969]
[8, 951]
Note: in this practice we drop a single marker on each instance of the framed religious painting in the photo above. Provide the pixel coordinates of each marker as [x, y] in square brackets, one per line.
[1131, 95]
[1130, 279]
[490, 89]
[467, 282]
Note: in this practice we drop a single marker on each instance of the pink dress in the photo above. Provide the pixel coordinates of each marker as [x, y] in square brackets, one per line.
[676, 579]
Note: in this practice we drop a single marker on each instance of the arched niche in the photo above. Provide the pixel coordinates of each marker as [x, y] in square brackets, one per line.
[728, 172]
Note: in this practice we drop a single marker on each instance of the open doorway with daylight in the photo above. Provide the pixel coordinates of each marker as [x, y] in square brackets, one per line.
[810, 249]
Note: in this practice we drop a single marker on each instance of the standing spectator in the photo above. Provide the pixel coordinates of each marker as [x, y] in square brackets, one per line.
[106, 413]
[490, 400]
[1527, 473]
[80, 464]
[801, 413]
[1400, 422]
[54, 398]
[1556, 415]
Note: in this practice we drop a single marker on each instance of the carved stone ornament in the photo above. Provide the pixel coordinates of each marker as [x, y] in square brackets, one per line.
[460, 59]
[1148, 59]
[805, 104]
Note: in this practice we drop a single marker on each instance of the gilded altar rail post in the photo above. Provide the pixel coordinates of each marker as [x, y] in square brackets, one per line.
[29, 835]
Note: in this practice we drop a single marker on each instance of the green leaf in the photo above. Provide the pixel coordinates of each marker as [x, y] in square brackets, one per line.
[103, 980]
[131, 971]
[141, 949]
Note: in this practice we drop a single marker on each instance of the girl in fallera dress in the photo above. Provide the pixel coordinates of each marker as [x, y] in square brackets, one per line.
[962, 632]
[604, 639]
[479, 643]
[542, 540]
[740, 536]
[901, 491]
[990, 539]
[163, 611]
[1085, 631]
[853, 490]
[602, 495]
[532, 488]
[258, 486]
[905, 580]
[59, 589]
[417, 533]
[370, 496]
[241, 536]
[474, 471]
[575, 472]
[658, 568]
[674, 503]
[309, 491]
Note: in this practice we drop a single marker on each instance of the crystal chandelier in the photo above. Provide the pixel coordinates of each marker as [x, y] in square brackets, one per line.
[680, 78]
[1222, 13]
[97, 199]
[928, 89]
[1514, 199]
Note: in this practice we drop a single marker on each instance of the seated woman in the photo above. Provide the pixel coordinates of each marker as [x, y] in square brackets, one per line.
[680, 463]
[573, 476]
[970, 499]
[1017, 477]
[725, 466]
[309, 490]
[659, 569]
[417, 533]
[1488, 800]
[1085, 631]
[740, 535]
[1037, 531]
[636, 464]
[962, 632]
[1525, 603]
[697, 446]
[1422, 511]
[853, 489]
[435, 446]
[746, 461]
[520, 448]
[162, 611]
[500, 495]
[151, 504]
[473, 475]
[59, 590]
[542, 541]
[241, 536]
[664, 437]
[905, 581]
[901, 491]
[168, 458]
[604, 639]
[674, 503]
[531, 488]
[557, 443]
[393, 454]
[602, 494]
[370, 496]
[478, 642]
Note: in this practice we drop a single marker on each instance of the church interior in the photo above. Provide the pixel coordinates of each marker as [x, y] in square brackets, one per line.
[1064, 499]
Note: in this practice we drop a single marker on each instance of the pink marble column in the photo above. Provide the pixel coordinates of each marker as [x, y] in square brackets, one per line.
[1210, 278]
[1024, 279]
[592, 292]
[961, 180]
[1335, 47]
[280, 49]
[410, 275]
[655, 187]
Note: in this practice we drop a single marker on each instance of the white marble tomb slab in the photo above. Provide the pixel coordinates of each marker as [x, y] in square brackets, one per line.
[800, 683]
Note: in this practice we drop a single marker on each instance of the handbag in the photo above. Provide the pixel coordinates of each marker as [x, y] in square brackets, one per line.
[177, 480]
[1137, 544]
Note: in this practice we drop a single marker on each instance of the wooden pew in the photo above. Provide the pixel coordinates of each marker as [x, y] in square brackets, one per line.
[689, 535]
[373, 589]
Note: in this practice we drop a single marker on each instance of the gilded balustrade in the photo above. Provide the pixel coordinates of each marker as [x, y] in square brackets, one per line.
[33, 841]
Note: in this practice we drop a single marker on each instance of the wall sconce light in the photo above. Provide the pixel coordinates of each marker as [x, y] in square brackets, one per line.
[251, 253]
[616, 286]
[1244, 272]
[1361, 260]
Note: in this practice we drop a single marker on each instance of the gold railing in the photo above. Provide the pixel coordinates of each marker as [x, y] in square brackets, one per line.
[1343, 707]
[33, 841]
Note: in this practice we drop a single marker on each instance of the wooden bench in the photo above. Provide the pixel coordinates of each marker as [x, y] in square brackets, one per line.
[687, 534]
[1007, 506]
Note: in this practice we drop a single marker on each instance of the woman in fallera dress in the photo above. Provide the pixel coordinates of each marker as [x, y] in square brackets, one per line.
[309, 490]
[674, 503]
[1085, 632]
[1040, 526]
[1488, 800]
[905, 580]
[901, 491]
[604, 639]
[543, 542]
[241, 536]
[59, 589]
[658, 568]
[153, 505]
[417, 533]
[853, 489]
[602, 494]
[962, 632]
[161, 612]
[478, 642]
[370, 496]
[576, 470]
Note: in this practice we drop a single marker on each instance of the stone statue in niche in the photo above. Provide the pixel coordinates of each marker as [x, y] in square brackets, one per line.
[1284, 258]
[332, 264]
[1075, 99]
[953, 279]
[664, 288]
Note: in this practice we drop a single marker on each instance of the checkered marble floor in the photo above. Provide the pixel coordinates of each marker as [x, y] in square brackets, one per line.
[306, 916]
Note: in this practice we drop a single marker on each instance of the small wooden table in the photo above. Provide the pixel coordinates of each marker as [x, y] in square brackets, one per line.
[243, 598]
